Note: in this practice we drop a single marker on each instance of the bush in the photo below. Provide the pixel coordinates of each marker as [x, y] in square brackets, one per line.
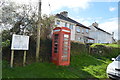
[6, 43]
[78, 48]
[102, 50]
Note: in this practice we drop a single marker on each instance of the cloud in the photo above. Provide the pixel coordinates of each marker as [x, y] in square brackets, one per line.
[83, 21]
[112, 9]
[88, 21]
[110, 26]
[70, 3]
[105, 0]
[57, 4]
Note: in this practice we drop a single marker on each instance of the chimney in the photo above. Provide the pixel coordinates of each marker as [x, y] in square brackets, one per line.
[113, 34]
[64, 13]
[95, 24]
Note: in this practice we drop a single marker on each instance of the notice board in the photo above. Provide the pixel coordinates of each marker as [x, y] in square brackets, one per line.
[20, 42]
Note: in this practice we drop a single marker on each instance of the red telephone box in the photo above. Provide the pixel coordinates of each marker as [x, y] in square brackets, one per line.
[61, 46]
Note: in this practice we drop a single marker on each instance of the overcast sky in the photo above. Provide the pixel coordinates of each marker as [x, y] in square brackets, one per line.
[104, 12]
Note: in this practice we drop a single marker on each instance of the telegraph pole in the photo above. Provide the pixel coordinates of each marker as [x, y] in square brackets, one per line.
[38, 32]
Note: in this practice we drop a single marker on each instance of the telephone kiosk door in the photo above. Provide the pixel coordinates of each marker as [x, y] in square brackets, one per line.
[65, 57]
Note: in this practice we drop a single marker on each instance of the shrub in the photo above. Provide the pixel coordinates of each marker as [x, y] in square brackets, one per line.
[106, 51]
[6, 43]
[78, 48]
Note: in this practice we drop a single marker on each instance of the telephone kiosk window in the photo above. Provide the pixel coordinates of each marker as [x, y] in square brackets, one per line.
[56, 36]
[65, 46]
[65, 38]
[65, 49]
[65, 42]
[56, 43]
[65, 52]
[64, 59]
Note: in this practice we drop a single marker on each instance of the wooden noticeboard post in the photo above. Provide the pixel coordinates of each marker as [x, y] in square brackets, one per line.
[24, 58]
[19, 42]
[12, 57]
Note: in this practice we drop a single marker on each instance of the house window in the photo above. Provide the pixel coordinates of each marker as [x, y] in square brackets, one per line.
[99, 41]
[80, 38]
[71, 26]
[78, 29]
[82, 31]
[85, 40]
[90, 41]
[86, 30]
[58, 22]
[65, 24]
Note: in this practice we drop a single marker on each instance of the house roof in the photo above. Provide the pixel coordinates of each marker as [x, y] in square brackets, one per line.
[70, 20]
[102, 30]
[89, 38]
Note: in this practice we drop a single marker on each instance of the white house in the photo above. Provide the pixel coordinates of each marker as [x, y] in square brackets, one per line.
[62, 20]
[79, 32]
[100, 35]
[82, 34]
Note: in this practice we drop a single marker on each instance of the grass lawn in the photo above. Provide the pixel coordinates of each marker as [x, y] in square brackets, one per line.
[82, 66]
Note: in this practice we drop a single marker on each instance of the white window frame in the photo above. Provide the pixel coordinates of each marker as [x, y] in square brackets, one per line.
[71, 26]
[65, 24]
[87, 30]
[78, 29]
[82, 31]
[58, 22]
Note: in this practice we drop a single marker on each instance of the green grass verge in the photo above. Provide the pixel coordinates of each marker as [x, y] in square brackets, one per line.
[107, 45]
[82, 66]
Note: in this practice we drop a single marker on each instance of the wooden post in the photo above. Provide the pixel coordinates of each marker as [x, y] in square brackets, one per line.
[38, 33]
[12, 58]
[24, 58]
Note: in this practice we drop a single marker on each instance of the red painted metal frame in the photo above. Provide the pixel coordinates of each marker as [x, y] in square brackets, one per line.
[58, 57]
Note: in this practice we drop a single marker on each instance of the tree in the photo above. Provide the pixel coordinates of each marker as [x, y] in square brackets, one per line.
[21, 18]
[24, 19]
[47, 26]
